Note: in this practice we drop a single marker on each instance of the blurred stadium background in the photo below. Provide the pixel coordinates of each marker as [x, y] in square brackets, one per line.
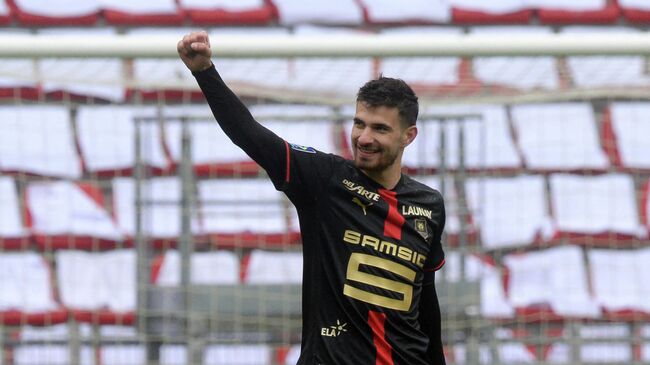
[133, 232]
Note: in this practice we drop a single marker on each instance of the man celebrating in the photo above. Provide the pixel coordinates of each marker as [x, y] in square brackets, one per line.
[371, 235]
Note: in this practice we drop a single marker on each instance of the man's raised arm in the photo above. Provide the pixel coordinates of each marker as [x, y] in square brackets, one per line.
[262, 145]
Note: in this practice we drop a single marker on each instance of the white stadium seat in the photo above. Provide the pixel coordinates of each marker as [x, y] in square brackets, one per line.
[630, 127]
[540, 278]
[558, 136]
[81, 218]
[578, 201]
[422, 71]
[614, 351]
[64, 12]
[268, 267]
[606, 71]
[26, 283]
[38, 140]
[242, 354]
[522, 73]
[509, 212]
[51, 354]
[107, 139]
[206, 268]
[161, 210]
[97, 281]
[619, 279]
[92, 77]
[122, 354]
[12, 231]
[422, 11]
[340, 12]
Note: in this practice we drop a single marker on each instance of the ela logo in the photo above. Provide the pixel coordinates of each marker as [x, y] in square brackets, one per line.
[333, 331]
[300, 148]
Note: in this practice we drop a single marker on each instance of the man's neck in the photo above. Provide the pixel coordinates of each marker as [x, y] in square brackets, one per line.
[387, 178]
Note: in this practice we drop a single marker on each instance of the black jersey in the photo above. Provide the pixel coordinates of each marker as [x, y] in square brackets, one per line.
[366, 249]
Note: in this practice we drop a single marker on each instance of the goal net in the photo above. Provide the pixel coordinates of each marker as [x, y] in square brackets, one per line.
[132, 231]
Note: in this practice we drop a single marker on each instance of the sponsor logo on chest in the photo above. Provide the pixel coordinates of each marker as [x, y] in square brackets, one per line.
[360, 190]
[410, 210]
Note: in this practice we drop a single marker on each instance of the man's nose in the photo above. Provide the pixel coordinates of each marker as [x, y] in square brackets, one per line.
[365, 137]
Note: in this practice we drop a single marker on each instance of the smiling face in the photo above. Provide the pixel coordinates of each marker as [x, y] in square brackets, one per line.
[378, 139]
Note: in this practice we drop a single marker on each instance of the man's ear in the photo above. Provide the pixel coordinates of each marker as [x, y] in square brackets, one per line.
[409, 135]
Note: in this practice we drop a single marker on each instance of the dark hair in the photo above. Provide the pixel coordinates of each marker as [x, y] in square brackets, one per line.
[386, 91]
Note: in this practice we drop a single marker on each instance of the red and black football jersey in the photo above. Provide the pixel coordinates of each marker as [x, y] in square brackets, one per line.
[366, 249]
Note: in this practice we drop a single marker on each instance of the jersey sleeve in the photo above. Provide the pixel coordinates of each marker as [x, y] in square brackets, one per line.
[436, 257]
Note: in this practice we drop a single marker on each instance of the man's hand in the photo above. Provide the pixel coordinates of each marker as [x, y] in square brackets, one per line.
[194, 50]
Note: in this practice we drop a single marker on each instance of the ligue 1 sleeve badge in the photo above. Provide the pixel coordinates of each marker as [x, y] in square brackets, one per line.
[422, 227]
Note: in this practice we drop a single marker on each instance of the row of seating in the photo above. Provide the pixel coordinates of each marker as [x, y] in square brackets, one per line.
[117, 80]
[172, 12]
[503, 212]
[531, 288]
[535, 137]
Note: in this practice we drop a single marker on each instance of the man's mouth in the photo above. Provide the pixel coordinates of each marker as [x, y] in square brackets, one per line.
[367, 151]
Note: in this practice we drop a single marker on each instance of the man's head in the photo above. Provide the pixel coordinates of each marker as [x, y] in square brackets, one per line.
[384, 124]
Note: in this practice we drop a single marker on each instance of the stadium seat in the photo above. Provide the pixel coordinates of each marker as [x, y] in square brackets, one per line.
[207, 268]
[245, 354]
[254, 74]
[223, 12]
[339, 77]
[27, 293]
[50, 354]
[576, 11]
[38, 140]
[122, 354]
[619, 280]
[161, 210]
[38, 13]
[63, 214]
[452, 207]
[645, 205]
[608, 343]
[107, 135]
[606, 71]
[270, 267]
[629, 127]
[518, 73]
[635, 11]
[578, 215]
[161, 79]
[334, 12]
[98, 287]
[538, 287]
[508, 211]
[54, 333]
[388, 12]
[65, 78]
[13, 235]
[292, 355]
[425, 74]
[18, 75]
[5, 14]
[558, 137]
[142, 13]
[244, 213]
[490, 12]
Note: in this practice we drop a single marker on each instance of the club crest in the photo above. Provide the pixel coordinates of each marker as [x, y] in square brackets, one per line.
[422, 227]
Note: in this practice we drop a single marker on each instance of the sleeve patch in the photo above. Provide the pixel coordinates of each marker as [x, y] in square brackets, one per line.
[300, 148]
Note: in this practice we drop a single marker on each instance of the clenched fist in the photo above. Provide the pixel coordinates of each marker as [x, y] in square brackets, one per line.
[194, 50]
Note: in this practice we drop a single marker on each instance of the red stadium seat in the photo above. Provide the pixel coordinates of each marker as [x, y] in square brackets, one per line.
[5, 14]
[576, 12]
[224, 12]
[66, 12]
[418, 12]
[628, 130]
[53, 155]
[490, 12]
[98, 287]
[13, 235]
[574, 200]
[635, 11]
[106, 137]
[559, 137]
[142, 12]
[244, 213]
[508, 212]
[81, 220]
[27, 292]
[538, 289]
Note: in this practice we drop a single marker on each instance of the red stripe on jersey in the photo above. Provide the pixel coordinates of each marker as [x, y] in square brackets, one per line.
[377, 321]
[394, 221]
[288, 172]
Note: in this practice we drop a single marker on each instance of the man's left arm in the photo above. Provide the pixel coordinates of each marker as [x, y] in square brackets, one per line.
[430, 320]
